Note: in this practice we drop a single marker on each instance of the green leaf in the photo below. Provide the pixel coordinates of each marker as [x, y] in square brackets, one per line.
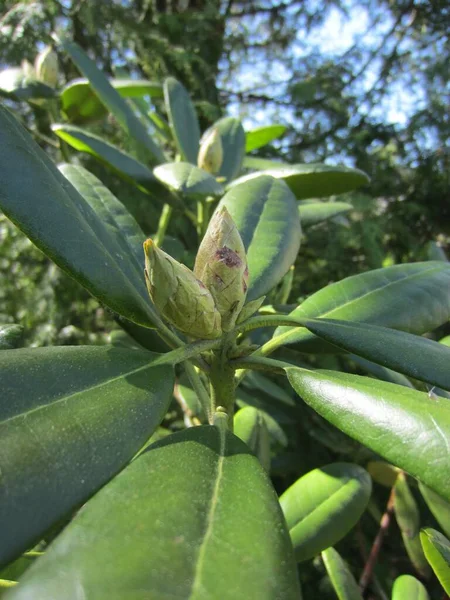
[10, 336]
[265, 213]
[188, 396]
[403, 426]
[256, 138]
[407, 587]
[380, 372]
[261, 164]
[81, 104]
[408, 519]
[232, 135]
[264, 384]
[312, 213]
[70, 418]
[122, 163]
[65, 227]
[437, 550]
[213, 528]
[113, 101]
[314, 180]
[251, 428]
[343, 582]
[322, 506]
[411, 297]
[382, 472]
[410, 354]
[183, 119]
[438, 506]
[188, 179]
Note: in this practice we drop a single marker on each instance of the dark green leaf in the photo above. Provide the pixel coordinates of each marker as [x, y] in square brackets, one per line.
[187, 395]
[256, 138]
[10, 336]
[188, 179]
[412, 355]
[322, 506]
[380, 372]
[70, 418]
[342, 580]
[407, 587]
[438, 506]
[437, 550]
[65, 227]
[266, 215]
[411, 297]
[81, 104]
[312, 213]
[113, 101]
[232, 135]
[121, 162]
[403, 426]
[314, 180]
[193, 517]
[182, 119]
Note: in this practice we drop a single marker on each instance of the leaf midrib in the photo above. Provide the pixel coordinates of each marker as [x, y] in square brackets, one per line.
[209, 519]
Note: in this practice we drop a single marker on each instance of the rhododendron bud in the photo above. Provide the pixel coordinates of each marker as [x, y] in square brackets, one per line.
[221, 264]
[179, 296]
[210, 155]
[46, 67]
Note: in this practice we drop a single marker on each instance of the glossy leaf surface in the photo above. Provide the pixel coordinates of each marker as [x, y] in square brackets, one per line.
[266, 216]
[188, 179]
[232, 135]
[411, 297]
[437, 550]
[10, 336]
[403, 426]
[342, 580]
[407, 587]
[213, 531]
[81, 104]
[438, 506]
[182, 119]
[412, 355]
[70, 418]
[315, 180]
[121, 162]
[66, 228]
[312, 213]
[256, 138]
[113, 101]
[322, 506]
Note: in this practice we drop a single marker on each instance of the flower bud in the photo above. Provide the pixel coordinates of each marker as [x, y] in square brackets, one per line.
[179, 296]
[46, 66]
[221, 264]
[210, 156]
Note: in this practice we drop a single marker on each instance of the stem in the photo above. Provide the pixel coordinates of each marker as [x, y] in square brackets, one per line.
[190, 420]
[260, 364]
[223, 386]
[376, 546]
[164, 219]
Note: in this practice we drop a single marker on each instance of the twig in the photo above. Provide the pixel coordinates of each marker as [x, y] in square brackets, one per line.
[376, 546]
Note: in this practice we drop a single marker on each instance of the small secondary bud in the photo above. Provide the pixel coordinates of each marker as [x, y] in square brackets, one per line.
[210, 156]
[180, 297]
[46, 66]
[221, 264]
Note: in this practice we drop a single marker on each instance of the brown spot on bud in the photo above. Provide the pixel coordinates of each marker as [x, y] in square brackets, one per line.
[228, 257]
[244, 286]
